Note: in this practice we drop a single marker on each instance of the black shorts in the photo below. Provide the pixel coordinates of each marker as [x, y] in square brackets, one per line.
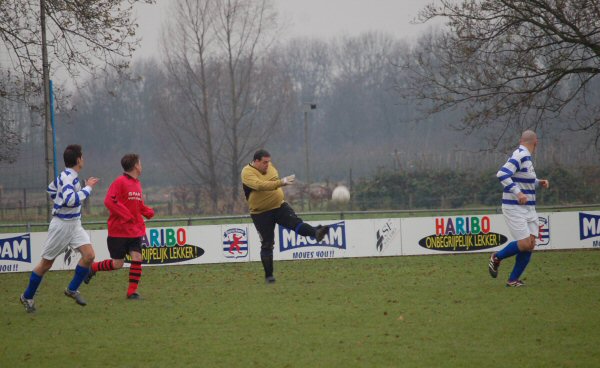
[265, 223]
[119, 247]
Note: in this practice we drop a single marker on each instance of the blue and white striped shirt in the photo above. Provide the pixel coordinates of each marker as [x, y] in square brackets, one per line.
[518, 176]
[68, 196]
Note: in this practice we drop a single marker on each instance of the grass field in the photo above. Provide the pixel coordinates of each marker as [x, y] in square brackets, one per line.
[427, 311]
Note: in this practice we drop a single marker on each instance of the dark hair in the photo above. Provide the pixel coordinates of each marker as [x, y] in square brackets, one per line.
[72, 153]
[129, 161]
[258, 155]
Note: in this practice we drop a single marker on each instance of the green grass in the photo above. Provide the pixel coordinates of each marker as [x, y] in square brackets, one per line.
[427, 311]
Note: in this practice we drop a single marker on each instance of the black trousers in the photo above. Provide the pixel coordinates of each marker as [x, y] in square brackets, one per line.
[285, 216]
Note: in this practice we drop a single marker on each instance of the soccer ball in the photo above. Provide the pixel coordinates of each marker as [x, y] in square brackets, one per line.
[340, 194]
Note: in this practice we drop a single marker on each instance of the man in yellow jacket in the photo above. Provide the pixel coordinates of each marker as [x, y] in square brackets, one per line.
[262, 187]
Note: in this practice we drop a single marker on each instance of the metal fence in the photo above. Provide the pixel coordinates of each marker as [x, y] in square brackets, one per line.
[325, 215]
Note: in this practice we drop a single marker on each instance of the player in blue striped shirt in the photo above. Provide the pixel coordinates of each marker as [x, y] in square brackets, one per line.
[518, 178]
[65, 229]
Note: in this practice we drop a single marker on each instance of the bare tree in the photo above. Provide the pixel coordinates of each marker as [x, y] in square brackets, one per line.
[226, 94]
[82, 36]
[255, 94]
[78, 35]
[188, 102]
[511, 64]
[363, 72]
[10, 136]
[309, 63]
[363, 107]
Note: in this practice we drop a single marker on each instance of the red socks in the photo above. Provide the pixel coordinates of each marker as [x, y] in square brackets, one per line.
[135, 274]
[106, 265]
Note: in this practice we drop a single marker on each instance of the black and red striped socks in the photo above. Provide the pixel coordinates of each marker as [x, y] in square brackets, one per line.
[106, 265]
[135, 274]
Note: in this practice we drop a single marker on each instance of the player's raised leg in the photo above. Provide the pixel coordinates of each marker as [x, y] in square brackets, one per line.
[286, 217]
[106, 265]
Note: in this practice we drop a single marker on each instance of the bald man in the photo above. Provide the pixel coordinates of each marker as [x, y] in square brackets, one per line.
[518, 178]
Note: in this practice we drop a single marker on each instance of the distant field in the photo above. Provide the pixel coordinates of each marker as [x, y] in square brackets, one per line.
[426, 311]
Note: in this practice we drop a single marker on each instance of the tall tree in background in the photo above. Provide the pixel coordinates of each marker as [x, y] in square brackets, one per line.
[115, 116]
[226, 93]
[308, 64]
[81, 36]
[78, 36]
[364, 106]
[10, 105]
[9, 142]
[254, 95]
[363, 79]
[10, 137]
[511, 64]
[187, 102]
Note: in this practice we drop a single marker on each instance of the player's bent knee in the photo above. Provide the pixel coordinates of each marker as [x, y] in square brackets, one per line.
[136, 256]
[88, 257]
[118, 263]
[531, 243]
[526, 245]
[44, 266]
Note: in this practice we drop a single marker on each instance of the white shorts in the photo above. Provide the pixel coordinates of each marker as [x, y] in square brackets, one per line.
[522, 221]
[63, 234]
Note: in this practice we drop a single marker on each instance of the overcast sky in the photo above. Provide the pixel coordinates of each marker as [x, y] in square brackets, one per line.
[313, 18]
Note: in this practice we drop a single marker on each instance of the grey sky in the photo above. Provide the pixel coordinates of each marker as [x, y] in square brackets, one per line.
[312, 18]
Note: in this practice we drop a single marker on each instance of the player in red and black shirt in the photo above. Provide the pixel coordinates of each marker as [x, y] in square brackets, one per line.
[126, 227]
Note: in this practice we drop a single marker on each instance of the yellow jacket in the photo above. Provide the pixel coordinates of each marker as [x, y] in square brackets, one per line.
[263, 192]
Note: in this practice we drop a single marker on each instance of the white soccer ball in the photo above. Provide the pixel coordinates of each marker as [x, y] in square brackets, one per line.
[340, 194]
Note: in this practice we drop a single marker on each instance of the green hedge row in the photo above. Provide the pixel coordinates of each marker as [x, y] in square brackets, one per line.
[454, 189]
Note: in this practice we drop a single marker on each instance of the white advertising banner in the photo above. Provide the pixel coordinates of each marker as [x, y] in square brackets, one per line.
[336, 243]
[453, 234]
[181, 245]
[574, 230]
[388, 238]
[20, 252]
[346, 238]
